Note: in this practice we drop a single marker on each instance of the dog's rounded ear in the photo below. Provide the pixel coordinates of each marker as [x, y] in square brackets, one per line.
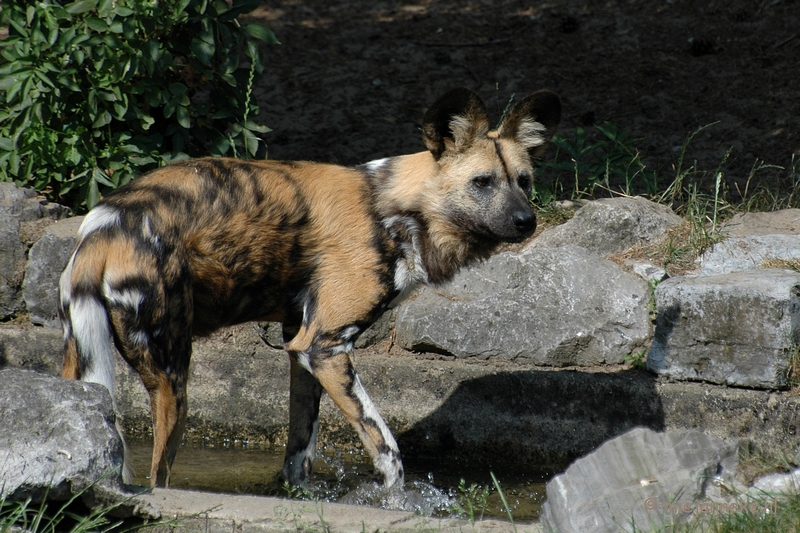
[453, 121]
[533, 121]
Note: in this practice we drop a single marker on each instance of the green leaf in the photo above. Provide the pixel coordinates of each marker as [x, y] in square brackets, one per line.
[72, 155]
[12, 91]
[102, 120]
[22, 30]
[147, 121]
[96, 24]
[250, 142]
[260, 128]
[101, 177]
[104, 8]
[177, 88]
[59, 12]
[6, 144]
[80, 7]
[261, 32]
[251, 50]
[220, 146]
[92, 195]
[44, 78]
[120, 111]
[182, 114]
[123, 11]
[203, 49]
[152, 50]
[229, 78]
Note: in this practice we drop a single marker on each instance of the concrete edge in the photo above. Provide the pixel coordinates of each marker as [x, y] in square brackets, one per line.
[213, 512]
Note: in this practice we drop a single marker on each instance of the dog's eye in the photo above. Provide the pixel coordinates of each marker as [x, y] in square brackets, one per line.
[482, 181]
[524, 181]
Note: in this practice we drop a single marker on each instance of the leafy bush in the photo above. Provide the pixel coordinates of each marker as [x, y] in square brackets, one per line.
[99, 91]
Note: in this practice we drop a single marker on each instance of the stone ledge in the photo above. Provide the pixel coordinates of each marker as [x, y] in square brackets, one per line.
[541, 418]
[222, 513]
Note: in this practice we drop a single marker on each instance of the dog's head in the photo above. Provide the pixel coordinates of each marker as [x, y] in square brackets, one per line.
[485, 179]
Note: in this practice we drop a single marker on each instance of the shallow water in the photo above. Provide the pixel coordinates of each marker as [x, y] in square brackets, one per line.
[431, 487]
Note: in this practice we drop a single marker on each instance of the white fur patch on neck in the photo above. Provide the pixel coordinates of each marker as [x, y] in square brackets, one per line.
[409, 270]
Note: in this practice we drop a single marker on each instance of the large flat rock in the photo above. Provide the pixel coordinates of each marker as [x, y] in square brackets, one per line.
[548, 306]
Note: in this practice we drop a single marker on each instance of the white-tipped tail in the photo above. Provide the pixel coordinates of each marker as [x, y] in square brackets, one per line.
[86, 320]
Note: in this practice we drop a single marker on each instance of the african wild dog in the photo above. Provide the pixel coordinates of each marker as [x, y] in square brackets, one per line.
[324, 249]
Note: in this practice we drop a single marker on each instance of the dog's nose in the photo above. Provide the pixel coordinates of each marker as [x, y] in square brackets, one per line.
[524, 221]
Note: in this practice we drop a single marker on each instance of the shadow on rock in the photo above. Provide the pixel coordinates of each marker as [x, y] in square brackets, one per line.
[534, 420]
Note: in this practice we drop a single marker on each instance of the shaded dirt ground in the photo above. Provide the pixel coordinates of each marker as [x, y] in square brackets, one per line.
[352, 79]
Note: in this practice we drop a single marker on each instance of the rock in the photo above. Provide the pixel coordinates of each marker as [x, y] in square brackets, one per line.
[46, 260]
[57, 437]
[26, 205]
[745, 224]
[12, 259]
[638, 481]
[380, 330]
[649, 272]
[58, 440]
[777, 484]
[271, 333]
[19, 202]
[549, 306]
[747, 253]
[735, 329]
[612, 225]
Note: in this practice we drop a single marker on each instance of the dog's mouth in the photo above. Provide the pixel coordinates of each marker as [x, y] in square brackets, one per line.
[509, 233]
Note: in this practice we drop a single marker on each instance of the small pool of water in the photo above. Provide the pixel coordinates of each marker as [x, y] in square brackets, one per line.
[432, 486]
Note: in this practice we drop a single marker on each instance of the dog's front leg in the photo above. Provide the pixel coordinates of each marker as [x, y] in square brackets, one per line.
[332, 367]
[339, 378]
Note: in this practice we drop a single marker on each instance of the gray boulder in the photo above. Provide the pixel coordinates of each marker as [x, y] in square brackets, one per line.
[786, 221]
[58, 436]
[21, 203]
[611, 225]
[549, 306]
[12, 260]
[58, 440]
[46, 260]
[26, 205]
[746, 253]
[778, 485]
[639, 481]
[735, 329]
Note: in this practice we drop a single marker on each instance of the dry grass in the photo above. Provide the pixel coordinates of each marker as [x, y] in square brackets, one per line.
[788, 264]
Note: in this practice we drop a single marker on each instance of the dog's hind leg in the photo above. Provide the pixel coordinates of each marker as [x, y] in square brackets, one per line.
[154, 336]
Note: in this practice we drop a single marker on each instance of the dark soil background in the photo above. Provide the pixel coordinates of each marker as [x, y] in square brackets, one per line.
[352, 79]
